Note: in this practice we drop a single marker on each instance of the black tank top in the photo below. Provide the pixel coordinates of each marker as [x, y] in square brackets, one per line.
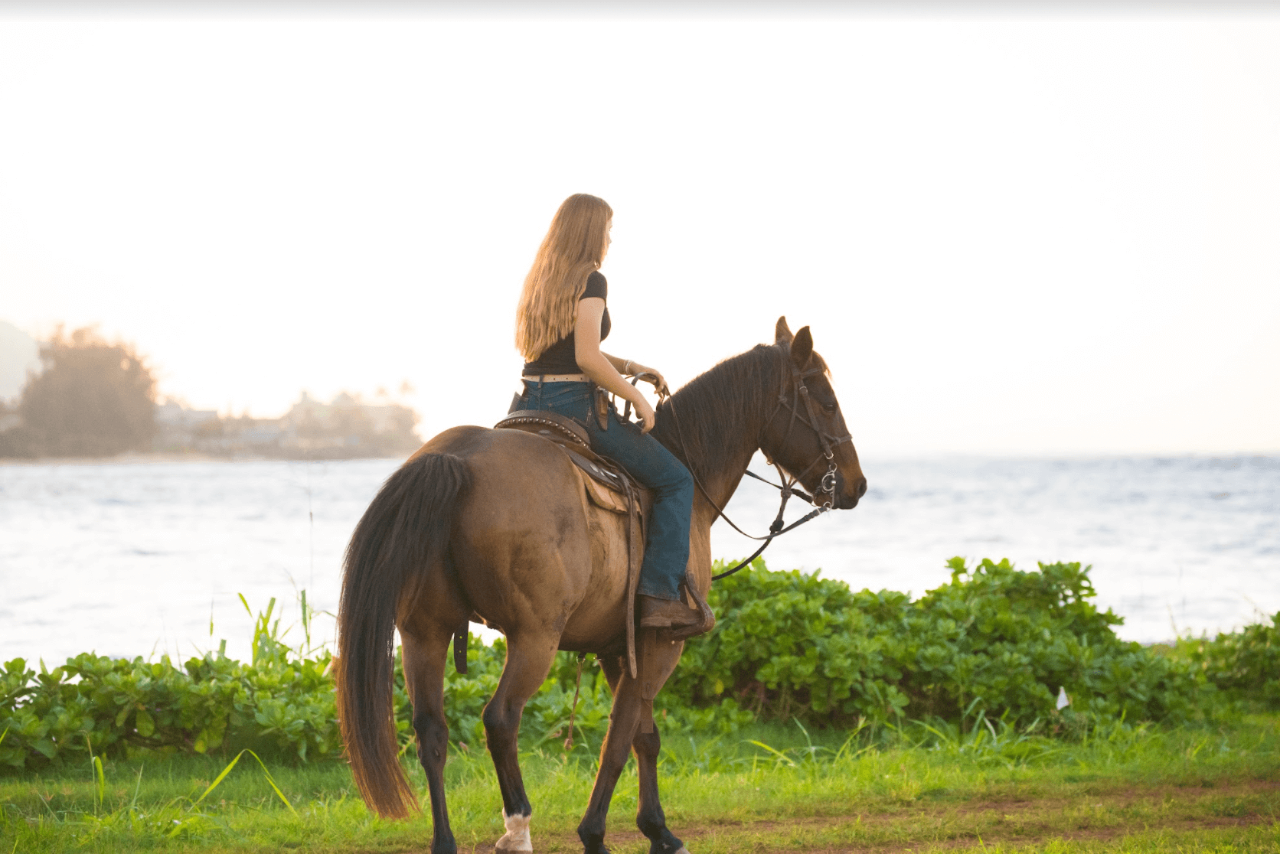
[561, 357]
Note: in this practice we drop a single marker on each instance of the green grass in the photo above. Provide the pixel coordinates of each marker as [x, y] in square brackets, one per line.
[775, 789]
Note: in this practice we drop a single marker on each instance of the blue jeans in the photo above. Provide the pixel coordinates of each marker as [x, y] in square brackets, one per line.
[666, 545]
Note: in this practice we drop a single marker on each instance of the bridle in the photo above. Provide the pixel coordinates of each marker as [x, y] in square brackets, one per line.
[829, 442]
[800, 391]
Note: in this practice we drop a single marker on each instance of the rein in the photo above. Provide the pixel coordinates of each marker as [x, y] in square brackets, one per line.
[787, 488]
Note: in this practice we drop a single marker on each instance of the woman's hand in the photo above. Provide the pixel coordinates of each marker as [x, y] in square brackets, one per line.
[659, 382]
[636, 369]
[644, 411]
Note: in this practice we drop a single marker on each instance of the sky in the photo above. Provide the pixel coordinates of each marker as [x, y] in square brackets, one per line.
[1054, 233]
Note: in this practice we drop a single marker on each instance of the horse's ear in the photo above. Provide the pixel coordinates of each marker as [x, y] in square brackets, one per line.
[802, 348]
[782, 332]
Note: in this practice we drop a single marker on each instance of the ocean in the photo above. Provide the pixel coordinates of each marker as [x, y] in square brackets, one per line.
[150, 558]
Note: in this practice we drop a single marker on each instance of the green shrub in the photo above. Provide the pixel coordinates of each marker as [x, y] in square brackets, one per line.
[994, 642]
[1244, 665]
[281, 704]
[995, 639]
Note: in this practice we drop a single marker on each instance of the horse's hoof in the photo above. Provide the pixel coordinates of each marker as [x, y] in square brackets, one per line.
[668, 845]
[516, 840]
[506, 846]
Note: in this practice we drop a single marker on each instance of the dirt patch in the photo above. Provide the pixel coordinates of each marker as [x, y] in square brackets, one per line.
[930, 825]
[1089, 817]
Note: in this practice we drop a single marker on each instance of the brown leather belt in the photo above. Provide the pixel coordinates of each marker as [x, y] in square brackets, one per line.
[556, 378]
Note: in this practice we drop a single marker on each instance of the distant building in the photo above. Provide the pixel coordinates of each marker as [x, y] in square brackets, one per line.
[179, 428]
[347, 426]
[343, 428]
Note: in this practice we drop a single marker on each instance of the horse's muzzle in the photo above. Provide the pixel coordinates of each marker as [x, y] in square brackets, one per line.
[847, 495]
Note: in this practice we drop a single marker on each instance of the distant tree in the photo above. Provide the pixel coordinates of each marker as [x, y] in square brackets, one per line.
[15, 438]
[93, 398]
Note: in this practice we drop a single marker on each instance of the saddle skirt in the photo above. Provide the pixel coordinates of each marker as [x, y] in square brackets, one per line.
[607, 484]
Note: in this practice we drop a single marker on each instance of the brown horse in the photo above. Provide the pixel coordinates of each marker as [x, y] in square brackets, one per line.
[493, 526]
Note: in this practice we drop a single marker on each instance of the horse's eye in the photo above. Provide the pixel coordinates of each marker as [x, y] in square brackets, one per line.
[829, 408]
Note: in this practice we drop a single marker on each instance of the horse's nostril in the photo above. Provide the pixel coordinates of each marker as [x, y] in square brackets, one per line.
[862, 487]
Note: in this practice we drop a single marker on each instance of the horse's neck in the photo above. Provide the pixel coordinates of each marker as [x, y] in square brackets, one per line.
[737, 434]
[723, 484]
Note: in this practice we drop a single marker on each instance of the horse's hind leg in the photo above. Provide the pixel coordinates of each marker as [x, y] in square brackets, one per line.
[528, 661]
[424, 649]
[649, 818]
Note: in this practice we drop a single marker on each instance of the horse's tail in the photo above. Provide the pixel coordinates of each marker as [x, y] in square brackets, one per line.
[402, 535]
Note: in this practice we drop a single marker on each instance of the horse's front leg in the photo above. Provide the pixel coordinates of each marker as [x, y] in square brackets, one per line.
[624, 720]
[650, 818]
[632, 706]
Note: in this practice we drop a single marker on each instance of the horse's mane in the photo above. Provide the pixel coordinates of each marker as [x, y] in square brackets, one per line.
[738, 392]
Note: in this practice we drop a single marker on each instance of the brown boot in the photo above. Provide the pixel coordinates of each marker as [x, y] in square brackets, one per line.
[675, 620]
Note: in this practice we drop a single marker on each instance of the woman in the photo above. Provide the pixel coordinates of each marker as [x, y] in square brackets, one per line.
[561, 319]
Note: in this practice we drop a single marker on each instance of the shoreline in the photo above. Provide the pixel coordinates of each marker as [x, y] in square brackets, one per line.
[162, 458]
[166, 457]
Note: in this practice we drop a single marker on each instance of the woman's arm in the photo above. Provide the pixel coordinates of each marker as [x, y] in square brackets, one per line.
[631, 368]
[602, 369]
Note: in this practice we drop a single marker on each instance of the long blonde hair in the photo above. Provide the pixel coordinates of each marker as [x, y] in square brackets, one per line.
[573, 248]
